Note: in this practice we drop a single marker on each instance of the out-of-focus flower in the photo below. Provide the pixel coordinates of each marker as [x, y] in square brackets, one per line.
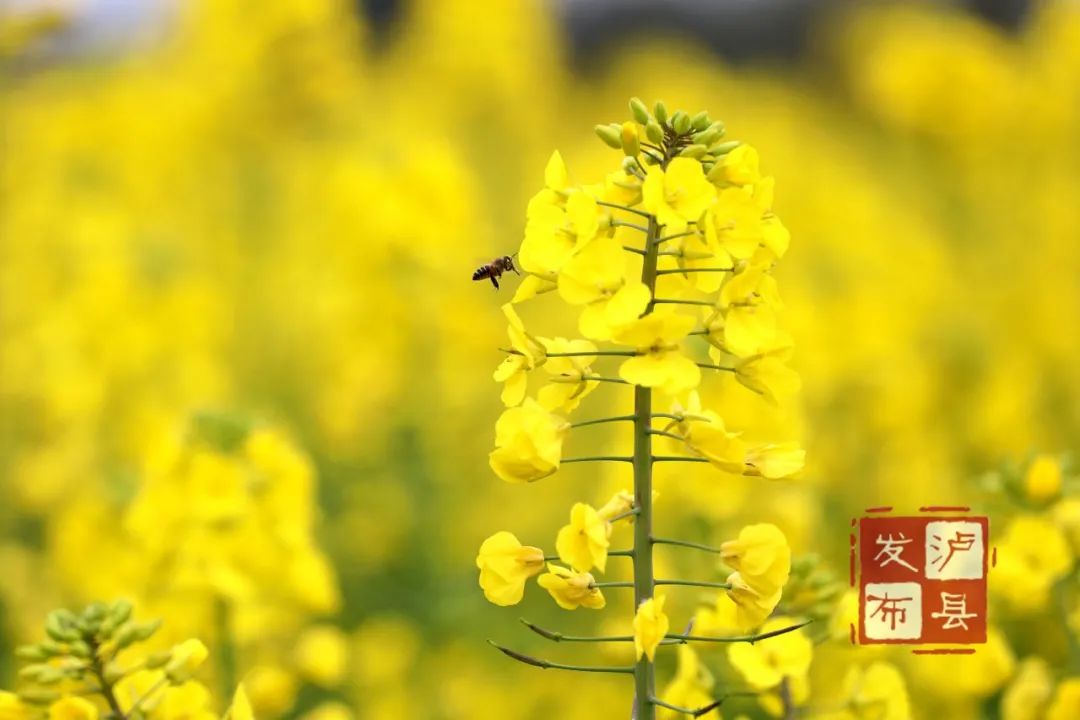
[1032, 556]
[321, 655]
[1042, 482]
[186, 657]
[71, 707]
[775, 461]
[1029, 692]
[505, 564]
[690, 688]
[742, 165]
[877, 692]
[766, 663]
[1066, 701]
[271, 689]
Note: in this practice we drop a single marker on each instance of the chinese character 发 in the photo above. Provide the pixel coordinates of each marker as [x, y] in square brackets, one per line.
[954, 610]
[963, 542]
[889, 609]
[892, 549]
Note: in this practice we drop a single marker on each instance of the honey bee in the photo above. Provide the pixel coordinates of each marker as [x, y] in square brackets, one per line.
[495, 269]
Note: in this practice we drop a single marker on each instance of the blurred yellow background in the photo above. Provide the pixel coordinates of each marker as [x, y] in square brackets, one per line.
[242, 248]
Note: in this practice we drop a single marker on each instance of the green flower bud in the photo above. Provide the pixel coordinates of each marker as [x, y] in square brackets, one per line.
[693, 151]
[610, 135]
[30, 672]
[708, 136]
[121, 612]
[80, 649]
[724, 148]
[700, 121]
[715, 173]
[654, 132]
[158, 659]
[628, 137]
[31, 652]
[680, 122]
[660, 112]
[144, 631]
[639, 111]
[52, 648]
[59, 628]
[94, 611]
[38, 696]
[125, 636]
[113, 673]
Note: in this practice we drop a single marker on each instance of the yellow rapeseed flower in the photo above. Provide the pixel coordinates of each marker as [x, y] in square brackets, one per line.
[775, 461]
[505, 564]
[528, 443]
[1065, 704]
[12, 707]
[678, 195]
[761, 556]
[1042, 482]
[321, 655]
[241, 706]
[71, 707]
[742, 166]
[596, 278]
[877, 692]
[660, 362]
[734, 223]
[583, 544]
[571, 589]
[650, 626]
[528, 353]
[569, 383]
[1029, 693]
[1032, 556]
[186, 658]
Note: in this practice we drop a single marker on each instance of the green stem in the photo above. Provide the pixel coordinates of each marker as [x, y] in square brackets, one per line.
[621, 353]
[613, 584]
[685, 543]
[676, 235]
[696, 583]
[226, 648]
[547, 665]
[665, 433]
[598, 421]
[636, 251]
[644, 671]
[635, 226]
[676, 458]
[623, 516]
[108, 691]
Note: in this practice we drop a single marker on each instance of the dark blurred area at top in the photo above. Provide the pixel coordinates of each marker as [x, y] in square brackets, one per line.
[734, 29]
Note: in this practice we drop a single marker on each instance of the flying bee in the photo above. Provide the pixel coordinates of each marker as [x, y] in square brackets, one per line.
[495, 269]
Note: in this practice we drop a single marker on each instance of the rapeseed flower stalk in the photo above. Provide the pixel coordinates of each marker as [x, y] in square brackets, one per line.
[93, 664]
[668, 262]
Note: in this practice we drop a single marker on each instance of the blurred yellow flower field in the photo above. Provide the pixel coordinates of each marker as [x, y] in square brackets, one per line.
[246, 379]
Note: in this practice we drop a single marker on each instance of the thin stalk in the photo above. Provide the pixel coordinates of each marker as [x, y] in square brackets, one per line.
[604, 203]
[684, 638]
[597, 378]
[676, 235]
[611, 553]
[600, 421]
[686, 543]
[635, 226]
[665, 433]
[622, 516]
[548, 665]
[673, 301]
[676, 458]
[693, 270]
[620, 353]
[696, 583]
[613, 584]
[684, 416]
[669, 639]
[676, 708]
[597, 458]
[636, 251]
[161, 683]
[709, 366]
[644, 671]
